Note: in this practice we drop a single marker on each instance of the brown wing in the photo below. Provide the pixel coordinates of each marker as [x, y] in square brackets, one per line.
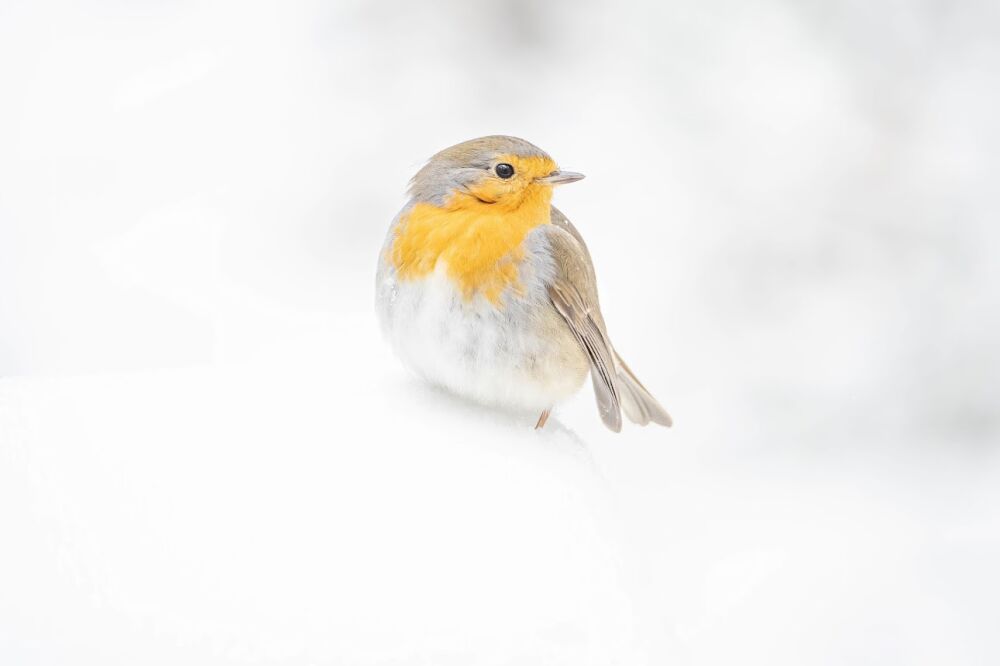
[574, 294]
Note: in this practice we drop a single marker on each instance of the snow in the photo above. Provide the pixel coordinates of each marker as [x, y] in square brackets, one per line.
[209, 456]
[331, 512]
[327, 508]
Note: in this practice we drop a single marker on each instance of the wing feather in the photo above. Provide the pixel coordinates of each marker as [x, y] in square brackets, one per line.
[573, 293]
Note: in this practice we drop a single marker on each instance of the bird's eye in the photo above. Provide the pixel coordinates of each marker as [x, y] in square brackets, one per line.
[504, 170]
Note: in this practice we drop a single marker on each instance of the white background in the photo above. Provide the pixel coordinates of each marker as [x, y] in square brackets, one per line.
[207, 455]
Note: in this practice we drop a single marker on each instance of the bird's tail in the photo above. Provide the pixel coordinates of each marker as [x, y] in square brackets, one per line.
[637, 402]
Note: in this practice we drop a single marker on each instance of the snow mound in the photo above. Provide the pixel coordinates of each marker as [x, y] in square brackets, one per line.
[331, 511]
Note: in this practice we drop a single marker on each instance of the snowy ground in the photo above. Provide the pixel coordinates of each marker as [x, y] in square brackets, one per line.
[329, 509]
[208, 456]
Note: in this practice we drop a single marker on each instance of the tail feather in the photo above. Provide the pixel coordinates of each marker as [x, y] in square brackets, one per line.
[637, 402]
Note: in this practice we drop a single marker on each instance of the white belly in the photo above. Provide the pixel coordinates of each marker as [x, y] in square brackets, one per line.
[519, 356]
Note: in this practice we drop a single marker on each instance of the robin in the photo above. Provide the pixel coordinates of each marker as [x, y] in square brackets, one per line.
[486, 289]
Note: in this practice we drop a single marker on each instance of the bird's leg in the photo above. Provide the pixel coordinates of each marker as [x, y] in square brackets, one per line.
[542, 419]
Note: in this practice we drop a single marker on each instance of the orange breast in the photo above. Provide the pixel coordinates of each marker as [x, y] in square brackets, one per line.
[479, 243]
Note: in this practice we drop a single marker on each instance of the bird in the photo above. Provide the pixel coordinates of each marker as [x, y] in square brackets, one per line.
[486, 289]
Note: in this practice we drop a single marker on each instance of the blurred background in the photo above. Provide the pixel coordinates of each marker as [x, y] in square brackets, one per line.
[792, 212]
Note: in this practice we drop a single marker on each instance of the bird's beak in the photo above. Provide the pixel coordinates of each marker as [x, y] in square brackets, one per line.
[560, 178]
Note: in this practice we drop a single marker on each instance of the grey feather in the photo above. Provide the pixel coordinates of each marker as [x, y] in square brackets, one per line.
[638, 403]
[574, 295]
[458, 166]
[567, 300]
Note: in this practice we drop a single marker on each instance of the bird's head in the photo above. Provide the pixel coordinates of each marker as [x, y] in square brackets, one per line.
[499, 171]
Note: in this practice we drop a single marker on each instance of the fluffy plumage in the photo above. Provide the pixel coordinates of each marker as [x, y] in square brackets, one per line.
[486, 289]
